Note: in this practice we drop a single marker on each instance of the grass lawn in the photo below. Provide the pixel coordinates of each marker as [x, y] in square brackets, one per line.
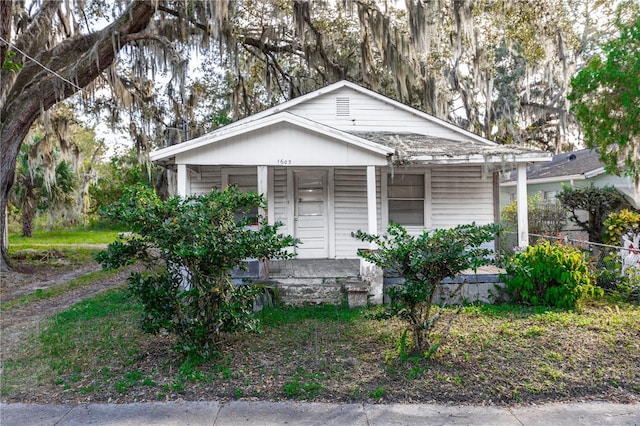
[495, 355]
[54, 239]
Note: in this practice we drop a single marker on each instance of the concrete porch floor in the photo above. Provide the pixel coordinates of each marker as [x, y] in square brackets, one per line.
[314, 268]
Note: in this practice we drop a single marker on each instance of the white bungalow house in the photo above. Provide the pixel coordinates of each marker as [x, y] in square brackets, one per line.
[344, 158]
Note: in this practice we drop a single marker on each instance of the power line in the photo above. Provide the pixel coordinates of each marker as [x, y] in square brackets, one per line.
[13, 46]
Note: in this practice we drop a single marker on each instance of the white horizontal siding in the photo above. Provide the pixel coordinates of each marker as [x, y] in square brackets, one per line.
[204, 179]
[282, 144]
[460, 195]
[350, 208]
[368, 114]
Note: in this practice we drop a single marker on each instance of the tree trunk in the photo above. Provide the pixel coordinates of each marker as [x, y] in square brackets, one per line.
[26, 94]
[8, 155]
[28, 212]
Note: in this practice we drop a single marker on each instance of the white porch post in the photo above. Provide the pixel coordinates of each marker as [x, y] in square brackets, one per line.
[371, 201]
[182, 180]
[369, 272]
[263, 189]
[523, 218]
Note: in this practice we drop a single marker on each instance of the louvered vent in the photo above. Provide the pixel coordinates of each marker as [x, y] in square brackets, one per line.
[342, 107]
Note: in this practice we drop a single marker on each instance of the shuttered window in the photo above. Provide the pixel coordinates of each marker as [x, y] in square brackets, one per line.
[405, 193]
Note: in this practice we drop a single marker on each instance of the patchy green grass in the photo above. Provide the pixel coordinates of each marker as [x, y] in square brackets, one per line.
[495, 354]
[57, 239]
[81, 350]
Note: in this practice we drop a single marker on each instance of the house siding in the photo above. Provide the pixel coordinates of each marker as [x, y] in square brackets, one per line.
[350, 207]
[460, 195]
[367, 113]
[207, 179]
[282, 144]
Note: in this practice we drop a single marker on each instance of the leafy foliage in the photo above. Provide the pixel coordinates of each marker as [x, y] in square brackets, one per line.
[123, 170]
[619, 223]
[43, 181]
[544, 218]
[597, 202]
[197, 243]
[605, 97]
[423, 262]
[550, 275]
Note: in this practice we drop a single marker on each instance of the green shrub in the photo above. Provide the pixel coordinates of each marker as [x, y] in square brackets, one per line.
[550, 275]
[619, 223]
[547, 218]
[190, 245]
[424, 261]
[629, 288]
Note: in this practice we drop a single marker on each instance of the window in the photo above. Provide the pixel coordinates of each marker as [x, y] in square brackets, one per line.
[246, 183]
[405, 193]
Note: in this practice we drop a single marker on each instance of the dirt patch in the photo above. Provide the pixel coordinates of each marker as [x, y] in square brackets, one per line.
[27, 277]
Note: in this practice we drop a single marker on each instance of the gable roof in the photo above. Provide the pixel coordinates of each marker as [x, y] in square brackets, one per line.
[261, 123]
[409, 147]
[581, 164]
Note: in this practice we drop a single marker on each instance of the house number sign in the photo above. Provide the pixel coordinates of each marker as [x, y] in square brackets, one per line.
[283, 162]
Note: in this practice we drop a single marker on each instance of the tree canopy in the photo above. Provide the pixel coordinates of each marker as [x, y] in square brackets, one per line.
[596, 202]
[606, 100]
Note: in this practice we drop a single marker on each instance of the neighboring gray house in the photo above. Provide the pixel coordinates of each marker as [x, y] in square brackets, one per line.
[578, 169]
[344, 158]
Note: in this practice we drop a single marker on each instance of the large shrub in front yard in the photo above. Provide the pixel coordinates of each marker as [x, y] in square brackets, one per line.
[549, 274]
[424, 261]
[190, 245]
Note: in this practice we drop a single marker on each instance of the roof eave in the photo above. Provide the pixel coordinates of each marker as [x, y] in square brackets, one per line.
[552, 179]
[480, 158]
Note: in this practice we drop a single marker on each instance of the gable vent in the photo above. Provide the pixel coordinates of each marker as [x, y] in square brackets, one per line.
[343, 107]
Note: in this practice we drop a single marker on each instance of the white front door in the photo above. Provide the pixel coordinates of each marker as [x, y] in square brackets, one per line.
[311, 214]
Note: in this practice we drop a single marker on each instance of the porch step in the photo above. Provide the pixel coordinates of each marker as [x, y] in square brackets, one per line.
[312, 280]
[299, 291]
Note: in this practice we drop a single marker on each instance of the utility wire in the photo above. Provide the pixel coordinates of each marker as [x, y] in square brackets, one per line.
[13, 46]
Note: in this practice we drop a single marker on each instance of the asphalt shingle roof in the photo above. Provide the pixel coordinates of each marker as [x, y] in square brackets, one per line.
[565, 164]
[411, 145]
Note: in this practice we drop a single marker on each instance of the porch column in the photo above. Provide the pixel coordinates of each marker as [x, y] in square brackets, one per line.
[523, 218]
[263, 189]
[182, 180]
[371, 201]
[369, 272]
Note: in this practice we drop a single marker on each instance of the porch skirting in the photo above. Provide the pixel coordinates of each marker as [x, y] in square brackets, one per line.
[314, 281]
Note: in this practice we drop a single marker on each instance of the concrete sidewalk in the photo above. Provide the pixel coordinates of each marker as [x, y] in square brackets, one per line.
[296, 413]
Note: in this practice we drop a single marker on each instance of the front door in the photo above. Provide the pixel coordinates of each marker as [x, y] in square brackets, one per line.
[311, 214]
